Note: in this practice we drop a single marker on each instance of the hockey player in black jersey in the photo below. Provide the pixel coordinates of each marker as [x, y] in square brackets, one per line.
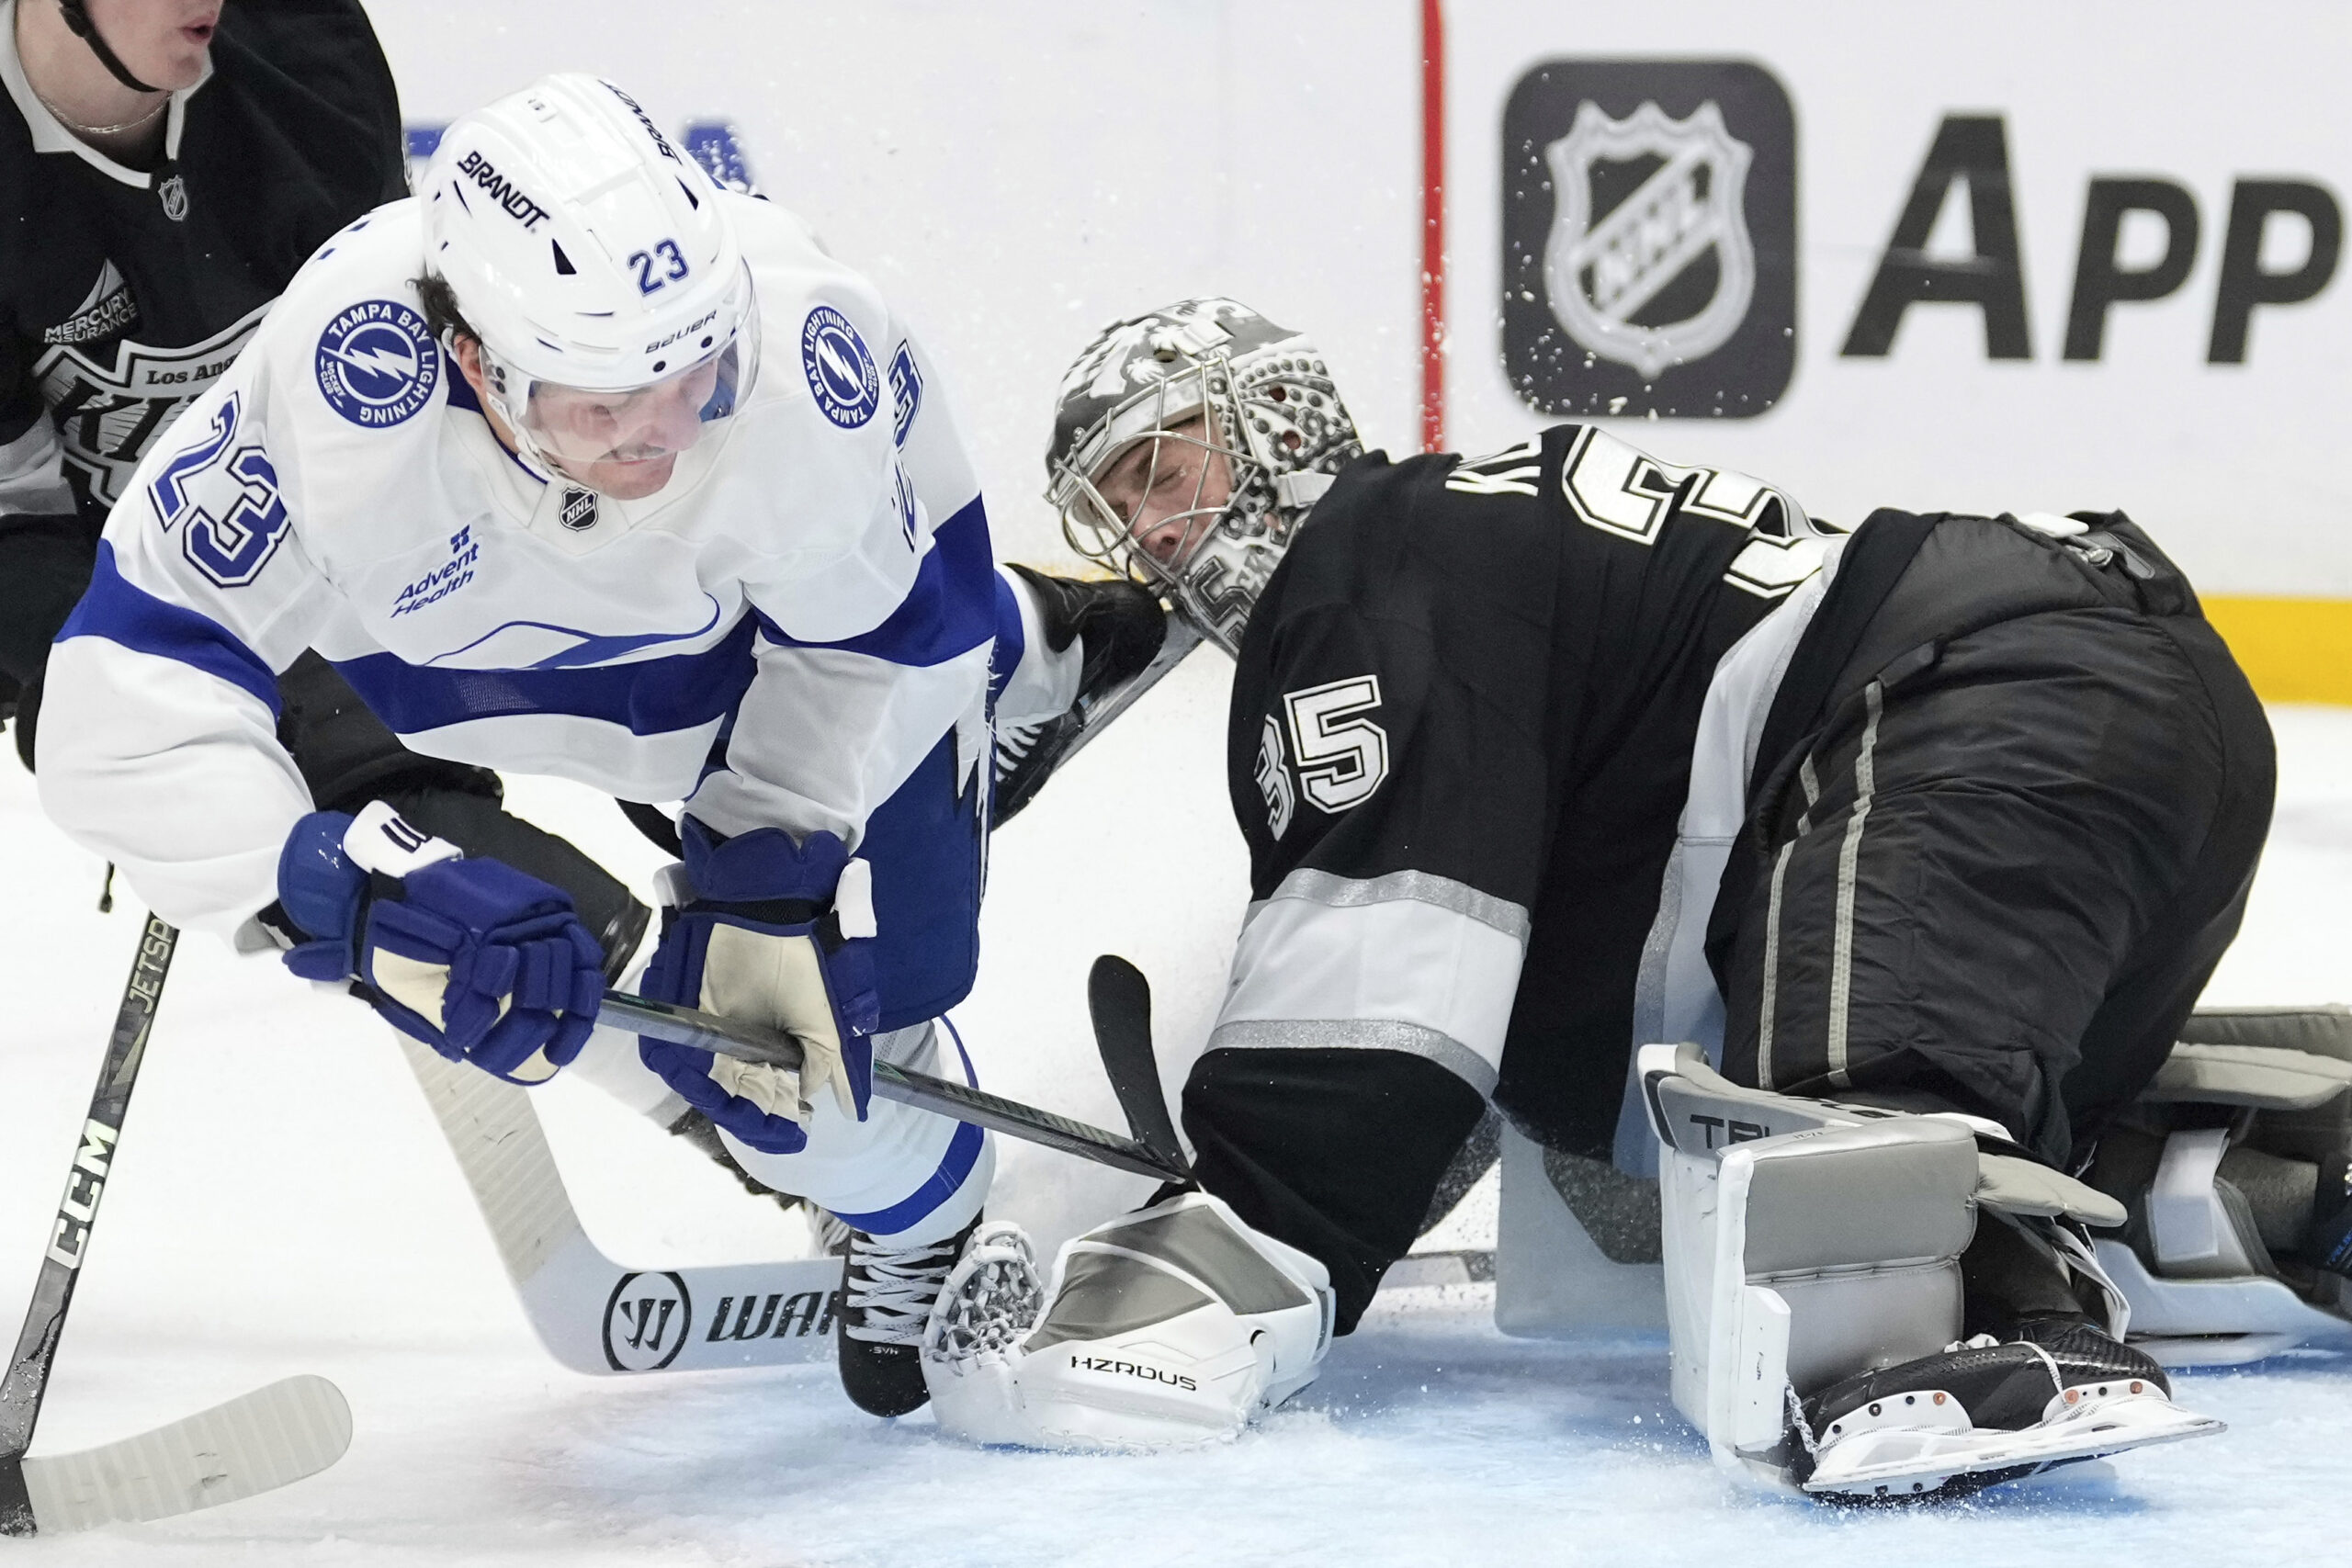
[166, 167]
[1982, 797]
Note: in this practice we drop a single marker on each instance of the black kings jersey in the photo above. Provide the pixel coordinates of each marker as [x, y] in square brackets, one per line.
[1462, 727]
[124, 292]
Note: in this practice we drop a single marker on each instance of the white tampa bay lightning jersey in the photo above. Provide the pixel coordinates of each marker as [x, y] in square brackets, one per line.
[780, 636]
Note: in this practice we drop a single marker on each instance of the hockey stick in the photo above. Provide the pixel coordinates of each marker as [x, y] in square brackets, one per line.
[593, 1314]
[1094, 715]
[598, 1316]
[1182, 637]
[750, 1042]
[1118, 999]
[260, 1440]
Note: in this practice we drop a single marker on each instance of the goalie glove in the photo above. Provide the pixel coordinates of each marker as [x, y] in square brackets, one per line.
[481, 962]
[762, 930]
[1175, 1325]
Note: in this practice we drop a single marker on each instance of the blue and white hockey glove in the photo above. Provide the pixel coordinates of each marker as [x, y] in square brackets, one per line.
[759, 928]
[481, 962]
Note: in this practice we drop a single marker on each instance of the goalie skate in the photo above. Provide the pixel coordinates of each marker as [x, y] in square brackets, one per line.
[1983, 1412]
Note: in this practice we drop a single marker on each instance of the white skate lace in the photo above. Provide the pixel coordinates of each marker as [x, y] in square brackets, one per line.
[2057, 1377]
[889, 1292]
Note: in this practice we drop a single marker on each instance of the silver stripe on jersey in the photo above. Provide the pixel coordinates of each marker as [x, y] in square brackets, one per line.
[1419, 887]
[1811, 783]
[1768, 1012]
[1841, 974]
[1409, 961]
[1358, 1034]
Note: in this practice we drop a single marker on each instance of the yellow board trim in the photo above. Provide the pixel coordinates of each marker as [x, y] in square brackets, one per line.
[2294, 650]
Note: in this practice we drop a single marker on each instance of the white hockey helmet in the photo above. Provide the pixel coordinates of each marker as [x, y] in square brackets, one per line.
[1264, 404]
[590, 258]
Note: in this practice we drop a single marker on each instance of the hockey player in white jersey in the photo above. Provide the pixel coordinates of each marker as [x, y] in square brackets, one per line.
[578, 464]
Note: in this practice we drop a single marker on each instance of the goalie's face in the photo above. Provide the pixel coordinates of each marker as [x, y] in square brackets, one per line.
[1166, 491]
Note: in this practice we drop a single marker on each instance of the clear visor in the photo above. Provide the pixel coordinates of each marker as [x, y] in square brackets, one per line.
[1147, 507]
[583, 426]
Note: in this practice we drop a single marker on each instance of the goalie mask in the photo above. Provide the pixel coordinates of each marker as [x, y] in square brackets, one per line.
[600, 272]
[1188, 446]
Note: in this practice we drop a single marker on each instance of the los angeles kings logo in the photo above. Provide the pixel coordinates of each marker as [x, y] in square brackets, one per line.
[110, 397]
[1649, 238]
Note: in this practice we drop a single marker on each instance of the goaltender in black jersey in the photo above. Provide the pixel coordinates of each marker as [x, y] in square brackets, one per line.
[1922, 839]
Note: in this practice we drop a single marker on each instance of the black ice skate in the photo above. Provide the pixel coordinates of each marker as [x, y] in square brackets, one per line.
[887, 1295]
[1128, 644]
[697, 1129]
[1981, 1412]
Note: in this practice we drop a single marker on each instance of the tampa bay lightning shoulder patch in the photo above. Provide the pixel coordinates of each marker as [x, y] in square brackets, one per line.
[378, 364]
[841, 373]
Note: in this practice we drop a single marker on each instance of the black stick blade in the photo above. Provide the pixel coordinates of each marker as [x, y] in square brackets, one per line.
[1119, 1000]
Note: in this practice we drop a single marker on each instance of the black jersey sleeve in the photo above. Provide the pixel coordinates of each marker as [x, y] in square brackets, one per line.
[1388, 766]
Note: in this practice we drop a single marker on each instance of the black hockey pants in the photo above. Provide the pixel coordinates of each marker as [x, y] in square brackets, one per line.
[2003, 825]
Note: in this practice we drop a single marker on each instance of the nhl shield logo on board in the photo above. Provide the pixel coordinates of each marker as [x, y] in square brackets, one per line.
[1603, 273]
[1649, 230]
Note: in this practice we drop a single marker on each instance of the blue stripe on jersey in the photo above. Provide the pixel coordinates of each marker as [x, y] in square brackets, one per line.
[963, 1153]
[120, 611]
[924, 846]
[652, 696]
[950, 610]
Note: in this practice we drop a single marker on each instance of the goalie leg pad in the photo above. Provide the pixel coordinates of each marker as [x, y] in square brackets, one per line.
[1173, 1326]
[1802, 1261]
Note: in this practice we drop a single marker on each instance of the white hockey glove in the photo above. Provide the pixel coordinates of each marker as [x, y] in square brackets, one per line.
[761, 929]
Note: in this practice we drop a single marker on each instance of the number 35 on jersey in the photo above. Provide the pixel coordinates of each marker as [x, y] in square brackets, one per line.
[1340, 755]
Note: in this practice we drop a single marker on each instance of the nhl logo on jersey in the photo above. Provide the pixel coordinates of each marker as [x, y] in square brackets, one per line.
[579, 511]
[378, 364]
[1602, 272]
[172, 192]
[1649, 228]
[841, 373]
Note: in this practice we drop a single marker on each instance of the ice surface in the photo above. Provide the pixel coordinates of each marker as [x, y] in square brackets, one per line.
[281, 1203]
